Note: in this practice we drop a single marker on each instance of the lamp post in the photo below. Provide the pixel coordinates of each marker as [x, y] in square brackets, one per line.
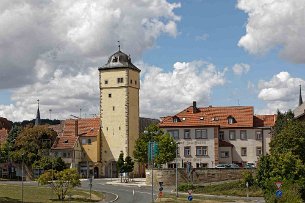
[176, 164]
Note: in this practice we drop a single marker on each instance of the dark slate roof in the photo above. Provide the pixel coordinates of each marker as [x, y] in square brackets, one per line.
[119, 60]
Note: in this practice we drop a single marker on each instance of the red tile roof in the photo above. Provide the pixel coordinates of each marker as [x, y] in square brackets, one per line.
[223, 143]
[65, 142]
[3, 135]
[212, 116]
[243, 117]
[89, 127]
[73, 128]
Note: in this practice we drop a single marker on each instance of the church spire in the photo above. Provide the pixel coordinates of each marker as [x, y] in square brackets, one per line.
[300, 97]
[37, 121]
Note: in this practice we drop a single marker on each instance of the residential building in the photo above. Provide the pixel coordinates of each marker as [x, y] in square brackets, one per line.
[79, 144]
[119, 109]
[210, 135]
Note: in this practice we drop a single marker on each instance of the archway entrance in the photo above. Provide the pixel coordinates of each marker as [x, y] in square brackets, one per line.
[111, 170]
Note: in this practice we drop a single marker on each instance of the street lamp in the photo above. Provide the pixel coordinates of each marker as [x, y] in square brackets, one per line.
[22, 177]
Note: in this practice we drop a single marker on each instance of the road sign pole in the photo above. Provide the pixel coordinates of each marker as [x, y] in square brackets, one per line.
[152, 170]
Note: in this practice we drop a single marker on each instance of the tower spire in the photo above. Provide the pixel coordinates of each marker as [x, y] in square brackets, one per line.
[37, 121]
[119, 45]
[300, 97]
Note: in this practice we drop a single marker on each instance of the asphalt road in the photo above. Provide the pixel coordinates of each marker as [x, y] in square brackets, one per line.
[126, 194]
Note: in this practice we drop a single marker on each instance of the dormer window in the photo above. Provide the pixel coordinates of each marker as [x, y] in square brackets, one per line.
[201, 118]
[176, 119]
[115, 59]
[231, 120]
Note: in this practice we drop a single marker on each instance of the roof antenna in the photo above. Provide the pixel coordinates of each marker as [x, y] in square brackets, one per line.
[119, 46]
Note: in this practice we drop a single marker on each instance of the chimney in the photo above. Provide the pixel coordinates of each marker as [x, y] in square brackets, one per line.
[194, 107]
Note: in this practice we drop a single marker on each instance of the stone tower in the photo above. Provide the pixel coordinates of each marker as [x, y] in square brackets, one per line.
[119, 109]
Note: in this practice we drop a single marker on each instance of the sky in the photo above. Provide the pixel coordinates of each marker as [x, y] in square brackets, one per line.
[220, 53]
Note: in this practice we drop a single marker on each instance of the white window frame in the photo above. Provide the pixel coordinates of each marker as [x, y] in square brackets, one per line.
[258, 135]
[201, 150]
[234, 133]
[259, 151]
[221, 135]
[243, 136]
[201, 133]
[174, 134]
[224, 154]
[243, 151]
[187, 151]
[187, 134]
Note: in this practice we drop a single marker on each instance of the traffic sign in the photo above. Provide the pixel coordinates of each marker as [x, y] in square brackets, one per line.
[278, 184]
[161, 189]
[190, 198]
[160, 194]
[279, 193]
[190, 192]
[161, 184]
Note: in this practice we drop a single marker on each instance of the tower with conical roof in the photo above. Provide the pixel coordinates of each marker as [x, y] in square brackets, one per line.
[300, 97]
[37, 121]
[119, 108]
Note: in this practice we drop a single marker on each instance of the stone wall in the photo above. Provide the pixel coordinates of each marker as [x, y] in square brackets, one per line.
[198, 176]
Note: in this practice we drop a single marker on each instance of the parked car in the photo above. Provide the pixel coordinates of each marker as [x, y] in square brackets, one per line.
[249, 165]
[232, 166]
[221, 166]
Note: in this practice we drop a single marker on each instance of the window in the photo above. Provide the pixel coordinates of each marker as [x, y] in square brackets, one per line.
[201, 151]
[130, 81]
[221, 135]
[230, 120]
[187, 134]
[115, 59]
[243, 134]
[224, 154]
[201, 134]
[232, 135]
[89, 141]
[201, 165]
[84, 141]
[174, 133]
[69, 155]
[106, 82]
[64, 154]
[120, 80]
[175, 120]
[109, 95]
[113, 108]
[135, 82]
[258, 135]
[244, 151]
[171, 165]
[187, 151]
[259, 151]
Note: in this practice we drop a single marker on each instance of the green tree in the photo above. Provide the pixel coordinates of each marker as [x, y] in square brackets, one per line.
[166, 145]
[61, 182]
[120, 164]
[47, 163]
[290, 138]
[281, 121]
[32, 143]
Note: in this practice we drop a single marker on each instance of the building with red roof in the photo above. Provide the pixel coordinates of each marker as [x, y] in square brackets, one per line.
[208, 136]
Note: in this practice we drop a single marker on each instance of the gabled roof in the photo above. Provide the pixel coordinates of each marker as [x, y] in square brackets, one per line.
[89, 127]
[65, 142]
[299, 111]
[212, 116]
[264, 120]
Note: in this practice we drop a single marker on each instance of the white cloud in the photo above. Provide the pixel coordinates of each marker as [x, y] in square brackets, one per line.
[275, 23]
[163, 93]
[50, 50]
[202, 37]
[280, 92]
[75, 34]
[241, 68]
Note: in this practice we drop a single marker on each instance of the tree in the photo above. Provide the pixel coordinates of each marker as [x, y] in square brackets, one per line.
[166, 145]
[281, 121]
[47, 163]
[290, 138]
[61, 182]
[32, 142]
[120, 164]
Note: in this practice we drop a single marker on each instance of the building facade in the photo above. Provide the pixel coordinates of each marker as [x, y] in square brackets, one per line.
[119, 109]
[209, 136]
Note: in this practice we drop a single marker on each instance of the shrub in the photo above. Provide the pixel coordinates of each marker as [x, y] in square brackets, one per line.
[185, 187]
[248, 178]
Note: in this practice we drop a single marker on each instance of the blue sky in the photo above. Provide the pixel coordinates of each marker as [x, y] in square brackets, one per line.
[186, 50]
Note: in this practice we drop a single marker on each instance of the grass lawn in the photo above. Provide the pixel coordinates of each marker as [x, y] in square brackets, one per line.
[12, 194]
[235, 188]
